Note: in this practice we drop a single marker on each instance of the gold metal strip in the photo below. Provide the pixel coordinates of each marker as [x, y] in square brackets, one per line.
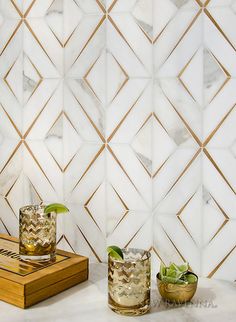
[218, 169]
[219, 28]
[122, 168]
[185, 123]
[101, 6]
[12, 122]
[124, 117]
[38, 164]
[10, 157]
[37, 117]
[221, 262]
[38, 41]
[218, 127]
[184, 171]
[155, 251]
[123, 37]
[13, 34]
[185, 32]
[91, 36]
[5, 227]
[90, 246]
[89, 118]
[112, 6]
[89, 166]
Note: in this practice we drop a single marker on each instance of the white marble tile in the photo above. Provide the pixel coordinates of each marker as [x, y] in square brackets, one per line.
[123, 53]
[124, 185]
[85, 100]
[218, 109]
[45, 60]
[226, 18]
[227, 271]
[134, 225]
[134, 102]
[121, 5]
[8, 9]
[135, 38]
[214, 253]
[217, 186]
[8, 217]
[226, 163]
[170, 38]
[11, 171]
[214, 217]
[217, 43]
[219, 3]
[91, 6]
[35, 171]
[84, 46]
[83, 235]
[184, 186]
[77, 115]
[46, 42]
[225, 135]
[171, 172]
[176, 131]
[184, 105]
[131, 165]
[85, 173]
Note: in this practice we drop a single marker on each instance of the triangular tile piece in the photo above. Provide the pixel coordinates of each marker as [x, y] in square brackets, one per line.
[31, 78]
[116, 75]
[194, 84]
[142, 14]
[63, 141]
[214, 76]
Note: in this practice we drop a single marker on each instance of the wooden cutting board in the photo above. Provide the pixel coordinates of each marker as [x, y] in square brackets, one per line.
[26, 283]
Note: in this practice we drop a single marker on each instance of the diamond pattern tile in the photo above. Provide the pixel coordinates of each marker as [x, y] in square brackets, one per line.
[125, 111]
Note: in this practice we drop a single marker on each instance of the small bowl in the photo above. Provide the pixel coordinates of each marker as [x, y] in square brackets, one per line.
[176, 293]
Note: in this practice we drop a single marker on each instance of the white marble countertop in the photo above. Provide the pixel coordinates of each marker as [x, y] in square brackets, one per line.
[214, 301]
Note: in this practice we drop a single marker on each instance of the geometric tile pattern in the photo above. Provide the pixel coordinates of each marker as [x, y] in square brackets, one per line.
[125, 111]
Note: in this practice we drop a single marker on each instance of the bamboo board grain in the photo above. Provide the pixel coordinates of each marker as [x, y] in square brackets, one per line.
[24, 284]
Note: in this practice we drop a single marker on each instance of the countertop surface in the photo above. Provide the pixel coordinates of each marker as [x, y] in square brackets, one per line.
[214, 301]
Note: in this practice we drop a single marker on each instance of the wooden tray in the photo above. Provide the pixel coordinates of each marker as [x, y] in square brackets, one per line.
[24, 284]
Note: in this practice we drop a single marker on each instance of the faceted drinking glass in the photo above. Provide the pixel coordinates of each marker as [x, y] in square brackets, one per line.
[129, 282]
[37, 233]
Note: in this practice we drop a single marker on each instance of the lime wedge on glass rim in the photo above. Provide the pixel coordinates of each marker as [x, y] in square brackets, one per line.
[115, 252]
[55, 207]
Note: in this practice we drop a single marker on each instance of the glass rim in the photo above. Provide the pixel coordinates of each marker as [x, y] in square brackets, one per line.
[35, 208]
[122, 261]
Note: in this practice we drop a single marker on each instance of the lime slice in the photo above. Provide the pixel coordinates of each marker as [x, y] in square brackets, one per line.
[56, 207]
[115, 252]
[191, 278]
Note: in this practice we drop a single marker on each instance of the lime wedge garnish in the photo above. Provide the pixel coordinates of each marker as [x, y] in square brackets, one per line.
[115, 252]
[56, 207]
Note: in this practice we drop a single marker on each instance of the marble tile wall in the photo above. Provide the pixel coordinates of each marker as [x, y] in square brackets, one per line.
[125, 111]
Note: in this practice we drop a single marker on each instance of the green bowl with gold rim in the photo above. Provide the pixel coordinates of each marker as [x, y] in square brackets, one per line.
[176, 293]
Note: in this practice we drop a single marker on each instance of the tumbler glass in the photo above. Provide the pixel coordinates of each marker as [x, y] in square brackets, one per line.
[37, 233]
[129, 282]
